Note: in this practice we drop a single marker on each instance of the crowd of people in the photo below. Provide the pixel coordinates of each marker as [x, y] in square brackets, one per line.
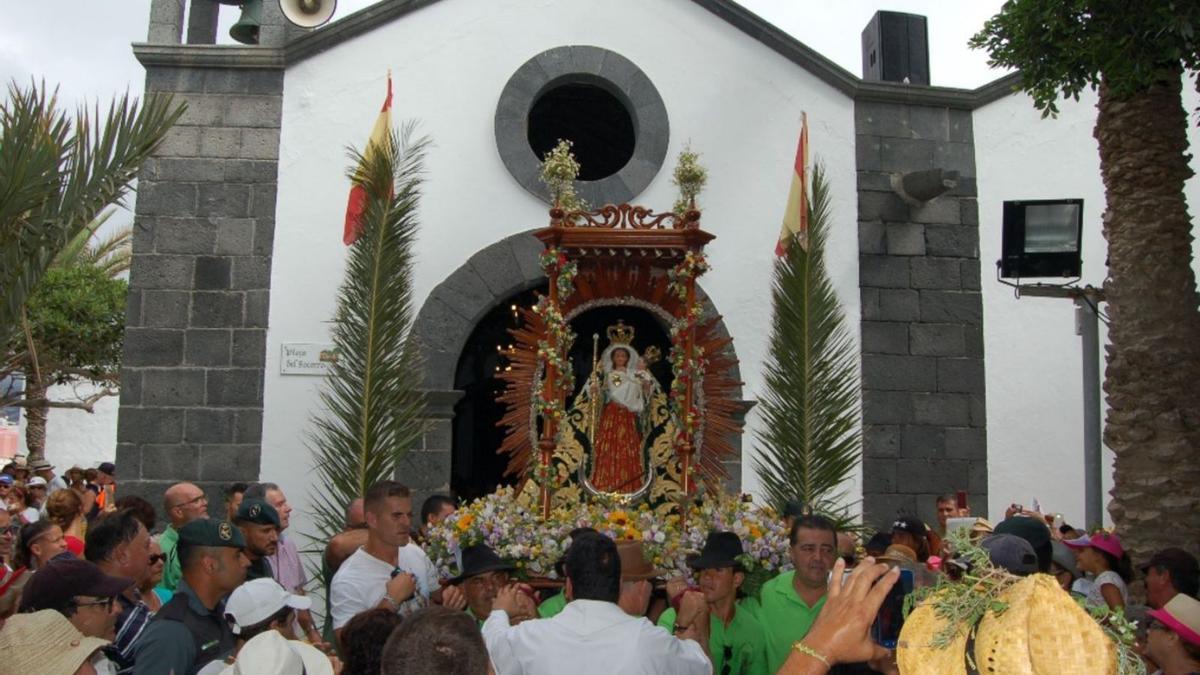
[89, 583]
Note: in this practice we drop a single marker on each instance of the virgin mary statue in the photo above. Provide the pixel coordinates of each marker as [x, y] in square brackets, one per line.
[619, 392]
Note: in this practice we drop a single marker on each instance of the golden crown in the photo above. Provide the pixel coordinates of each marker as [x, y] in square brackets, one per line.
[620, 334]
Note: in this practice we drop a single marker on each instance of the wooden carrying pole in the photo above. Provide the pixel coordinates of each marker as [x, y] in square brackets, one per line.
[550, 393]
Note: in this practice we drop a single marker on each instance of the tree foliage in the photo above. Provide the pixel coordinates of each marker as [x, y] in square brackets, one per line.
[371, 397]
[810, 440]
[1068, 45]
[58, 173]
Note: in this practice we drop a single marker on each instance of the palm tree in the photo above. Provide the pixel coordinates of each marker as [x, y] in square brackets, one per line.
[810, 441]
[56, 176]
[1136, 55]
[112, 254]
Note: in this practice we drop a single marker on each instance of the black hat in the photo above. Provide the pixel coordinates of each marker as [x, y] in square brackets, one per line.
[1011, 553]
[1032, 530]
[211, 532]
[479, 559]
[721, 549]
[60, 580]
[910, 524]
[1177, 561]
[794, 508]
[107, 468]
[258, 512]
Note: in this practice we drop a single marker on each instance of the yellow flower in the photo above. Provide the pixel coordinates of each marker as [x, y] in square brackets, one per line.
[464, 523]
[633, 534]
[755, 532]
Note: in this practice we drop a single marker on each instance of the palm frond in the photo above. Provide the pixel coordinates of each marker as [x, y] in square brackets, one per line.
[57, 175]
[810, 442]
[371, 395]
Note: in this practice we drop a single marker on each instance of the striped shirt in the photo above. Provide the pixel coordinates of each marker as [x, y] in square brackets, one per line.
[130, 623]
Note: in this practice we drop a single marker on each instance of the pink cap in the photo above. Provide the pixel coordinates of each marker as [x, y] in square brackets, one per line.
[1182, 615]
[1101, 541]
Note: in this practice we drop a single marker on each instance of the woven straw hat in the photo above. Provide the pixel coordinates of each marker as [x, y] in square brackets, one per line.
[1043, 631]
[917, 656]
[44, 642]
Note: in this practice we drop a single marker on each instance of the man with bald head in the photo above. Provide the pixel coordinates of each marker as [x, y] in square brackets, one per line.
[349, 540]
[183, 503]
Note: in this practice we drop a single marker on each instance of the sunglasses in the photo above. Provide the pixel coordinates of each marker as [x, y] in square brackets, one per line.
[156, 558]
[194, 500]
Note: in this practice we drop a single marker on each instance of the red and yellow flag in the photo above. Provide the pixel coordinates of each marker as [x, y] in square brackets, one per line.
[795, 218]
[380, 134]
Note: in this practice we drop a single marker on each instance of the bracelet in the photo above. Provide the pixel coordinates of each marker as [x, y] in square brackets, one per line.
[809, 651]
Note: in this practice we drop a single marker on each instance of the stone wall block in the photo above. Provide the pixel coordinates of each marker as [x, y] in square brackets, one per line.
[937, 339]
[150, 425]
[960, 375]
[880, 509]
[179, 142]
[234, 236]
[253, 111]
[968, 212]
[258, 307]
[131, 386]
[202, 111]
[228, 462]
[973, 336]
[212, 273]
[152, 347]
[872, 238]
[898, 304]
[952, 241]
[885, 206]
[209, 348]
[978, 411]
[164, 309]
[887, 407]
[905, 239]
[169, 462]
[161, 272]
[941, 409]
[881, 337]
[903, 155]
[868, 153]
[220, 142]
[182, 236]
[207, 425]
[251, 273]
[923, 441]
[166, 199]
[969, 272]
[229, 200]
[958, 157]
[942, 210]
[129, 458]
[425, 468]
[259, 144]
[966, 443]
[881, 440]
[262, 200]
[217, 309]
[251, 170]
[936, 273]
[189, 170]
[951, 307]
[881, 476]
[172, 387]
[235, 387]
[249, 347]
[264, 236]
[883, 271]
[874, 181]
[932, 124]
[961, 126]
[438, 435]
[884, 372]
[882, 119]
[174, 80]
[249, 426]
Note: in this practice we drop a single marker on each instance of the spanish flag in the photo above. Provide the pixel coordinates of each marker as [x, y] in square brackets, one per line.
[795, 218]
[380, 134]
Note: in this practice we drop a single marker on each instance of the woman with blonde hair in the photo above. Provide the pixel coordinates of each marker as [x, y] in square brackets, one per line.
[65, 509]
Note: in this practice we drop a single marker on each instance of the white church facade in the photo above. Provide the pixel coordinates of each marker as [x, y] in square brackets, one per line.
[238, 251]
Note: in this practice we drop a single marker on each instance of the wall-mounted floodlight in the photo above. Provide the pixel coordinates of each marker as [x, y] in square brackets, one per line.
[1041, 238]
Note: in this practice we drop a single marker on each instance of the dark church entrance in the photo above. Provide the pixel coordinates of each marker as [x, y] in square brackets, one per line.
[476, 468]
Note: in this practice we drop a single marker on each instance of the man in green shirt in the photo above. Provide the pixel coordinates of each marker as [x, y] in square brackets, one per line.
[736, 641]
[183, 503]
[789, 604]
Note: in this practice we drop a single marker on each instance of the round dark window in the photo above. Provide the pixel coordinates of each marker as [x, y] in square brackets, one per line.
[595, 121]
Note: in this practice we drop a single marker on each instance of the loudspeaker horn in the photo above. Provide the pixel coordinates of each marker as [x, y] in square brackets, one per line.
[245, 30]
[308, 13]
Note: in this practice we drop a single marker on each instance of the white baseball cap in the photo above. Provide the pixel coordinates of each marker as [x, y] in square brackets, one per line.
[270, 654]
[256, 601]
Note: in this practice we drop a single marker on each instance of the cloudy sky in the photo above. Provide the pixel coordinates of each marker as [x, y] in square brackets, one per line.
[83, 46]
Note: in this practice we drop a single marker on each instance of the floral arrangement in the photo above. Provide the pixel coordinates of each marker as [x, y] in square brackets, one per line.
[694, 264]
[559, 170]
[554, 262]
[690, 177]
[514, 529]
[553, 352]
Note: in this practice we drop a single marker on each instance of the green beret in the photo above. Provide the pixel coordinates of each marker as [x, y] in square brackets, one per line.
[257, 511]
[211, 532]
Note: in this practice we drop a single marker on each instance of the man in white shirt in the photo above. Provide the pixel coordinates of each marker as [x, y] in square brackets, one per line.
[593, 634]
[389, 571]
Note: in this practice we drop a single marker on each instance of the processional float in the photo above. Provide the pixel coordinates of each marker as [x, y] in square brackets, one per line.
[682, 420]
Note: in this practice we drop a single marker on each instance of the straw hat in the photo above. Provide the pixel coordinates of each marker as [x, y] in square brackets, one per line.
[44, 642]
[1042, 631]
[915, 653]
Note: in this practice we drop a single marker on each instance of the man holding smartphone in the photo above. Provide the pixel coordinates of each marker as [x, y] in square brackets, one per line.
[389, 571]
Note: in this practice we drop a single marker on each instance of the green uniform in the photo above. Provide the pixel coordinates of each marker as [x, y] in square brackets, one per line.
[552, 605]
[737, 649]
[171, 569]
[784, 617]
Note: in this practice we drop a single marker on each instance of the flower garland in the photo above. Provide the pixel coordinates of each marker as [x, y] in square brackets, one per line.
[554, 261]
[517, 534]
[694, 264]
[688, 370]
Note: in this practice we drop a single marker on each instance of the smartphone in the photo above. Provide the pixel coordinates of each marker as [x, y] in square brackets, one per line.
[890, 618]
[960, 499]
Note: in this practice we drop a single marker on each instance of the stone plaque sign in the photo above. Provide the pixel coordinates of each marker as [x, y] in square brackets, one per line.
[303, 358]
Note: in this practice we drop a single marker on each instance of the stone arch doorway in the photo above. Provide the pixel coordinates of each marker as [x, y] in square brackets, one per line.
[451, 329]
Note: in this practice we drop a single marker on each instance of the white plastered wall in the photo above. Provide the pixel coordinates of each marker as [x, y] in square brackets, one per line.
[737, 102]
